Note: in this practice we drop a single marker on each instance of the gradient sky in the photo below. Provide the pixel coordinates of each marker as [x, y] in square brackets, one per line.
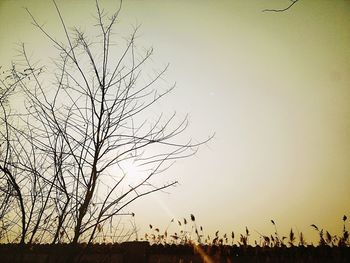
[274, 87]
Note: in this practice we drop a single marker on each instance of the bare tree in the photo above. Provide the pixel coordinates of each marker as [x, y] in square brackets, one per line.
[10, 185]
[5, 185]
[68, 148]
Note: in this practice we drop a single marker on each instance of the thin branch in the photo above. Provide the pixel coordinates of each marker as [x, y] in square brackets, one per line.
[282, 9]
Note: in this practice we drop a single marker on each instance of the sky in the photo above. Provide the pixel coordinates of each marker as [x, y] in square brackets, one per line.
[273, 87]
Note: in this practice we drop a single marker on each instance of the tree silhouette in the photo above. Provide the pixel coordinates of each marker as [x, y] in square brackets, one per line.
[63, 155]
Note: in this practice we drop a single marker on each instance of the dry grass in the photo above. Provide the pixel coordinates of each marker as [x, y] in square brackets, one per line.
[189, 233]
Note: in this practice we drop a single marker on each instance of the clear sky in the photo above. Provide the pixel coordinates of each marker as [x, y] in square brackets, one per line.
[274, 87]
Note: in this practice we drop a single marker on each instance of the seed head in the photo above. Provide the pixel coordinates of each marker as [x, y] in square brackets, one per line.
[193, 218]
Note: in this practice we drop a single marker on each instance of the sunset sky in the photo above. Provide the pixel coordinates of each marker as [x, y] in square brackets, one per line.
[273, 87]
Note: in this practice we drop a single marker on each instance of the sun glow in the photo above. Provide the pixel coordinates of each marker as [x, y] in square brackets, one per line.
[132, 172]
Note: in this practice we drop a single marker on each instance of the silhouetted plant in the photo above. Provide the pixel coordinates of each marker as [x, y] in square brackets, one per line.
[322, 241]
[302, 241]
[184, 237]
[62, 155]
[344, 239]
[291, 238]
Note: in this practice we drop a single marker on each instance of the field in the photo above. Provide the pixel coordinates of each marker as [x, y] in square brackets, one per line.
[190, 246]
[133, 252]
